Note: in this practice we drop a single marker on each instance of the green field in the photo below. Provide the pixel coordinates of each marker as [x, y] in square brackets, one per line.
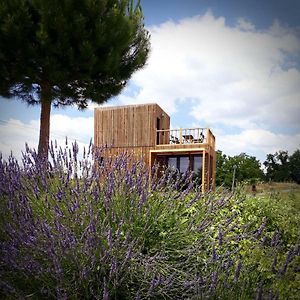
[282, 187]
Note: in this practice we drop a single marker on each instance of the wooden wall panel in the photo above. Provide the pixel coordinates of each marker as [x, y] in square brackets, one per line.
[129, 126]
[139, 153]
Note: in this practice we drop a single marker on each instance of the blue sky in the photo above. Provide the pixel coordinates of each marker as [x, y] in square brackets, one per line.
[231, 65]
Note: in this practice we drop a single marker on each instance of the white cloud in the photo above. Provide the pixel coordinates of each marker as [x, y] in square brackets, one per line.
[235, 77]
[245, 25]
[79, 128]
[232, 76]
[93, 105]
[257, 142]
[15, 133]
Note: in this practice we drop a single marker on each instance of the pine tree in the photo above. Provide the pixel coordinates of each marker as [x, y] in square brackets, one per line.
[68, 52]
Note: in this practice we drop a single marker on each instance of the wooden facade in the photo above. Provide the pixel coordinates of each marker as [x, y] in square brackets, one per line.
[145, 131]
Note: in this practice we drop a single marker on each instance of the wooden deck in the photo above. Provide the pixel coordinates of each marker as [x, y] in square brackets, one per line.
[189, 141]
[182, 137]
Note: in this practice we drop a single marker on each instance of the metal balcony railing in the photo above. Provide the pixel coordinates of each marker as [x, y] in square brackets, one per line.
[183, 136]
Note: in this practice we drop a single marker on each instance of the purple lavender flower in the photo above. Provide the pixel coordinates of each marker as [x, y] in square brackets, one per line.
[292, 253]
[75, 227]
[259, 231]
[105, 290]
[238, 271]
[215, 256]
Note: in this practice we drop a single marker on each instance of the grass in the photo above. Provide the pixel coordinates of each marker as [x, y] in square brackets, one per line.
[282, 187]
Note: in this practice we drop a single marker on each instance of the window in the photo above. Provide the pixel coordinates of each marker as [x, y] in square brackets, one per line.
[172, 162]
[158, 128]
[181, 163]
[197, 164]
[185, 163]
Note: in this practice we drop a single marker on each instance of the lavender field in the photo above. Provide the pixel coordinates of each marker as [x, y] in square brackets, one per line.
[73, 228]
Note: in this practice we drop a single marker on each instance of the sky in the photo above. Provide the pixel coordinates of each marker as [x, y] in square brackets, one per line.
[233, 66]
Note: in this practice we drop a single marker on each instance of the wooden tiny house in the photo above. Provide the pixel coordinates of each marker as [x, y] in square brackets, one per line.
[145, 131]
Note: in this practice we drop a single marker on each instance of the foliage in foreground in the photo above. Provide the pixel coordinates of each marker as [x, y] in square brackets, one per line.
[71, 229]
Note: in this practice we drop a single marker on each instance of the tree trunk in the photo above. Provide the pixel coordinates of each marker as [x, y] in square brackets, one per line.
[44, 121]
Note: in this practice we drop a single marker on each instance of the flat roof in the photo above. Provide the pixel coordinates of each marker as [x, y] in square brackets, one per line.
[124, 106]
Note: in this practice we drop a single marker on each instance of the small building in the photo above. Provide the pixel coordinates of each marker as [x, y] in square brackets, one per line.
[145, 131]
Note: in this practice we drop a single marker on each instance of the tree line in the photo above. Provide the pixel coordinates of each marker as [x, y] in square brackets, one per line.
[279, 166]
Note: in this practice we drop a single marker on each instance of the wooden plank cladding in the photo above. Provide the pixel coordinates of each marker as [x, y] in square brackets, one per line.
[144, 130]
[129, 126]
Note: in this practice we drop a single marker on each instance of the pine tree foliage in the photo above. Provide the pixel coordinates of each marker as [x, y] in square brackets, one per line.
[83, 49]
[67, 52]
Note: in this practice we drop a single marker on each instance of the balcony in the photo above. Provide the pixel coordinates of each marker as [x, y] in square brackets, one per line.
[185, 137]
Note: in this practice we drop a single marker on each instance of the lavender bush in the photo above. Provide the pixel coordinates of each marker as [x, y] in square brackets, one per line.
[91, 229]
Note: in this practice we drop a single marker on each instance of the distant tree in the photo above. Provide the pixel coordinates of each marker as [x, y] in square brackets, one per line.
[224, 170]
[277, 166]
[283, 167]
[67, 52]
[295, 166]
[247, 168]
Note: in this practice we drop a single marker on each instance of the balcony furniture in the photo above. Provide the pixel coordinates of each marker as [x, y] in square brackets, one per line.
[200, 139]
[174, 140]
[188, 138]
